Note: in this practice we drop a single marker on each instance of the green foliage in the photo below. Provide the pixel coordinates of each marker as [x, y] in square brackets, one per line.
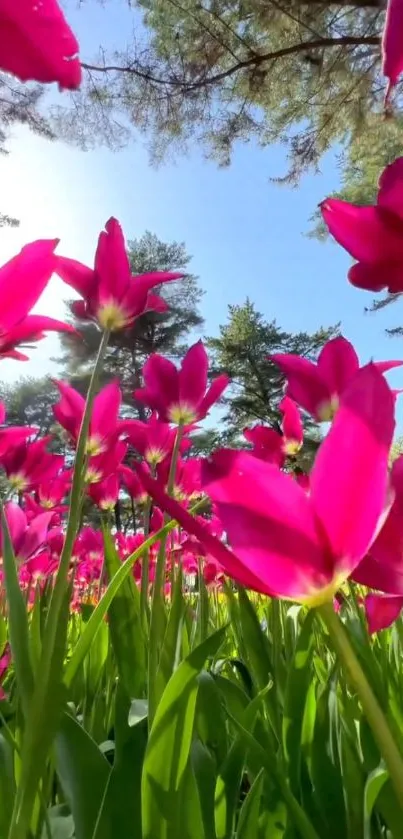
[306, 75]
[257, 386]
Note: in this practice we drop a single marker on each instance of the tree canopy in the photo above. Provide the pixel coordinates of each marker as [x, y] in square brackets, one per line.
[304, 73]
[257, 386]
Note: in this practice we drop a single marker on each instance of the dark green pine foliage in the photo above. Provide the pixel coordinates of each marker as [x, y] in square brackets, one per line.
[241, 349]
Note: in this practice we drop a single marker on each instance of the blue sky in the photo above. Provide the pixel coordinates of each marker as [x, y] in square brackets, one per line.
[246, 235]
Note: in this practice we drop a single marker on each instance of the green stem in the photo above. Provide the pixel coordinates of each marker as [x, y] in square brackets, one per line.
[37, 738]
[370, 705]
[157, 599]
[145, 563]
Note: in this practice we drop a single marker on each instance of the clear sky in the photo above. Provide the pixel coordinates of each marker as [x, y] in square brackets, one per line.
[246, 235]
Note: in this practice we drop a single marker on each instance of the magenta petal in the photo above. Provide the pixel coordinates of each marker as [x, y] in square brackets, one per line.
[76, 275]
[23, 279]
[105, 410]
[112, 263]
[17, 524]
[267, 443]
[37, 44]
[161, 378]
[392, 51]
[192, 525]
[35, 535]
[365, 232]
[292, 424]
[31, 329]
[305, 384]
[379, 575]
[337, 363]
[269, 523]
[214, 393]
[378, 276]
[349, 480]
[382, 610]
[193, 376]
[155, 303]
[390, 193]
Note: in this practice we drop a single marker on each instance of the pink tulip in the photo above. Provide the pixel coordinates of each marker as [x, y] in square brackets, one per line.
[102, 465]
[153, 439]
[27, 538]
[287, 543]
[273, 447]
[29, 464]
[29, 272]
[111, 295]
[105, 493]
[104, 425]
[5, 661]
[180, 396]
[382, 568]
[373, 235]
[133, 484]
[382, 610]
[317, 388]
[392, 51]
[37, 44]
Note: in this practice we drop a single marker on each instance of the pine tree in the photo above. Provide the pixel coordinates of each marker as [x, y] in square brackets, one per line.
[302, 73]
[257, 386]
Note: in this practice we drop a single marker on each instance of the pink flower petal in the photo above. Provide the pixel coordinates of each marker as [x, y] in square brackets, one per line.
[161, 379]
[392, 52]
[337, 363]
[35, 535]
[17, 524]
[365, 232]
[269, 523]
[112, 263]
[193, 376]
[349, 480]
[390, 193]
[37, 44]
[29, 272]
[267, 443]
[382, 610]
[105, 410]
[304, 382]
[292, 424]
[376, 277]
[193, 525]
[76, 275]
[213, 394]
[379, 575]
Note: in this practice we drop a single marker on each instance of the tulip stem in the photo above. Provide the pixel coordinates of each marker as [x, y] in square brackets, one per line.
[370, 705]
[155, 639]
[38, 726]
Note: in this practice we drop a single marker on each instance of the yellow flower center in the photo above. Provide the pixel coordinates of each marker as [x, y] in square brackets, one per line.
[18, 481]
[325, 594]
[181, 414]
[327, 410]
[111, 316]
[291, 447]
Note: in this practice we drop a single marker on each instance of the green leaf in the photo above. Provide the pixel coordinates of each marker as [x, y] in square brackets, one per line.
[97, 616]
[298, 683]
[325, 770]
[3, 634]
[83, 772]
[172, 637]
[373, 786]
[7, 785]
[125, 625]
[17, 620]
[204, 767]
[122, 802]
[248, 823]
[169, 743]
